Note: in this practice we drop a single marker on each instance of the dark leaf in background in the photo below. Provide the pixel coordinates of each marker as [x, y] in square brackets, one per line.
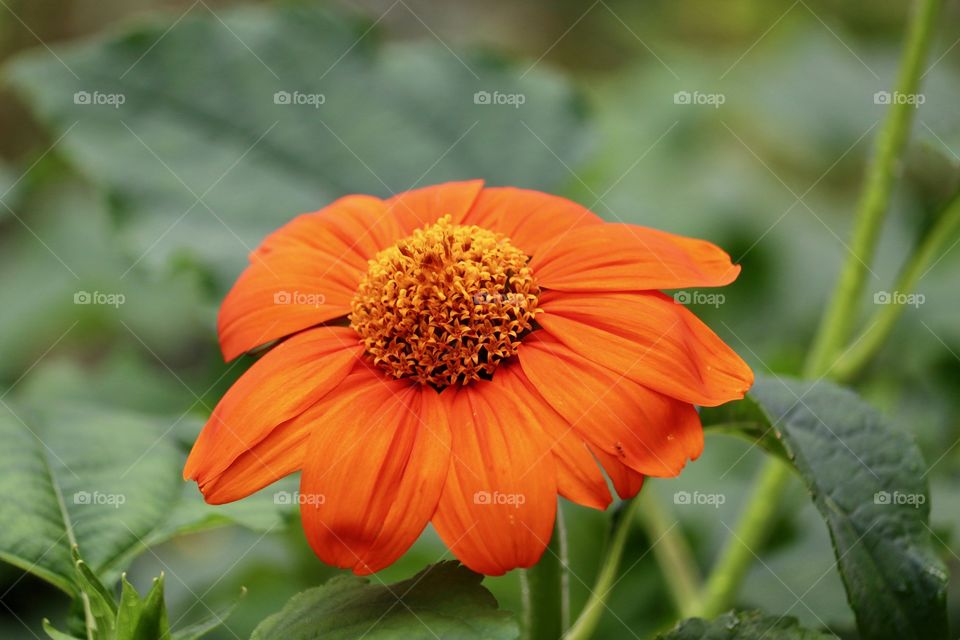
[444, 600]
[744, 625]
[868, 480]
[107, 481]
[215, 133]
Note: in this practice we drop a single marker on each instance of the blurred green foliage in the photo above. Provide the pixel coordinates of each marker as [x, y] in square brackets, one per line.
[772, 175]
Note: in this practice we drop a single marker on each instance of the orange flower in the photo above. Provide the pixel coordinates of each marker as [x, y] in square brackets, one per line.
[460, 355]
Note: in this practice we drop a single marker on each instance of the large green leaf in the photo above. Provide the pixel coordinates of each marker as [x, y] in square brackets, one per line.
[107, 481]
[867, 479]
[197, 117]
[744, 625]
[133, 618]
[444, 600]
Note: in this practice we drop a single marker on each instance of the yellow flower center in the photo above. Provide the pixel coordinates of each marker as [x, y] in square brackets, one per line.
[445, 305]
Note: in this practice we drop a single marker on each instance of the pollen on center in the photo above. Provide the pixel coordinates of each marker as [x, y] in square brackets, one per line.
[446, 305]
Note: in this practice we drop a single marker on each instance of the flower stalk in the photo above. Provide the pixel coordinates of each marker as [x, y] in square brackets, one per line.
[881, 324]
[587, 622]
[673, 554]
[755, 523]
[835, 326]
[545, 592]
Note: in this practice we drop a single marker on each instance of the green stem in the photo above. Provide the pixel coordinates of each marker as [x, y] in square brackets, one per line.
[841, 312]
[586, 623]
[881, 325]
[751, 532]
[673, 554]
[544, 592]
[754, 525]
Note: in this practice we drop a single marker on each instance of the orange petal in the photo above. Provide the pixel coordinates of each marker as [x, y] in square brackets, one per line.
[278, 455]
[375, 466]
[351, 229]
[497, 508]
[278, 387]
[414, 209]
[625, 480]
[624, 257]
[578, 475]
[533, 221]
[649, 432]
[281, 293]
[305, 273]
[649, 339]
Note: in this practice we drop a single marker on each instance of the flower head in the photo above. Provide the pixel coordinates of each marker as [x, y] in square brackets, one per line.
[460, 355]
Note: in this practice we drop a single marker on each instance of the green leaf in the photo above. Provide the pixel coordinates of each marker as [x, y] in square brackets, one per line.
[129, 609]
[136, 618]
[746, 419]
[198, 111]
[151, 623]
[56, 635]
[99, 607]
[744, 625]
[213, 621]
[867, 479]
[444, 600]
[107, 481]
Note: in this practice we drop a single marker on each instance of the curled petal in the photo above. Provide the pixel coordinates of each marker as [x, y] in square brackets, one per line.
[624, 257]
[278, 387]
[649, 339]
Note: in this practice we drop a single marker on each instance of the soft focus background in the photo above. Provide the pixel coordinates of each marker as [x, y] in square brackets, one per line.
[145, 149]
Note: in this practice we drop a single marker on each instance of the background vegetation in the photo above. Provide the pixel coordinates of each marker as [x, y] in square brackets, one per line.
[160, 200]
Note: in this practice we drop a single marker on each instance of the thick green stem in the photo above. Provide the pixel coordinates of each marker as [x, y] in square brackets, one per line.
[673, 554]
[544, 592]
[751, 532]
[841, 312]
[586, 623]
[881, 325]
[754, 525]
